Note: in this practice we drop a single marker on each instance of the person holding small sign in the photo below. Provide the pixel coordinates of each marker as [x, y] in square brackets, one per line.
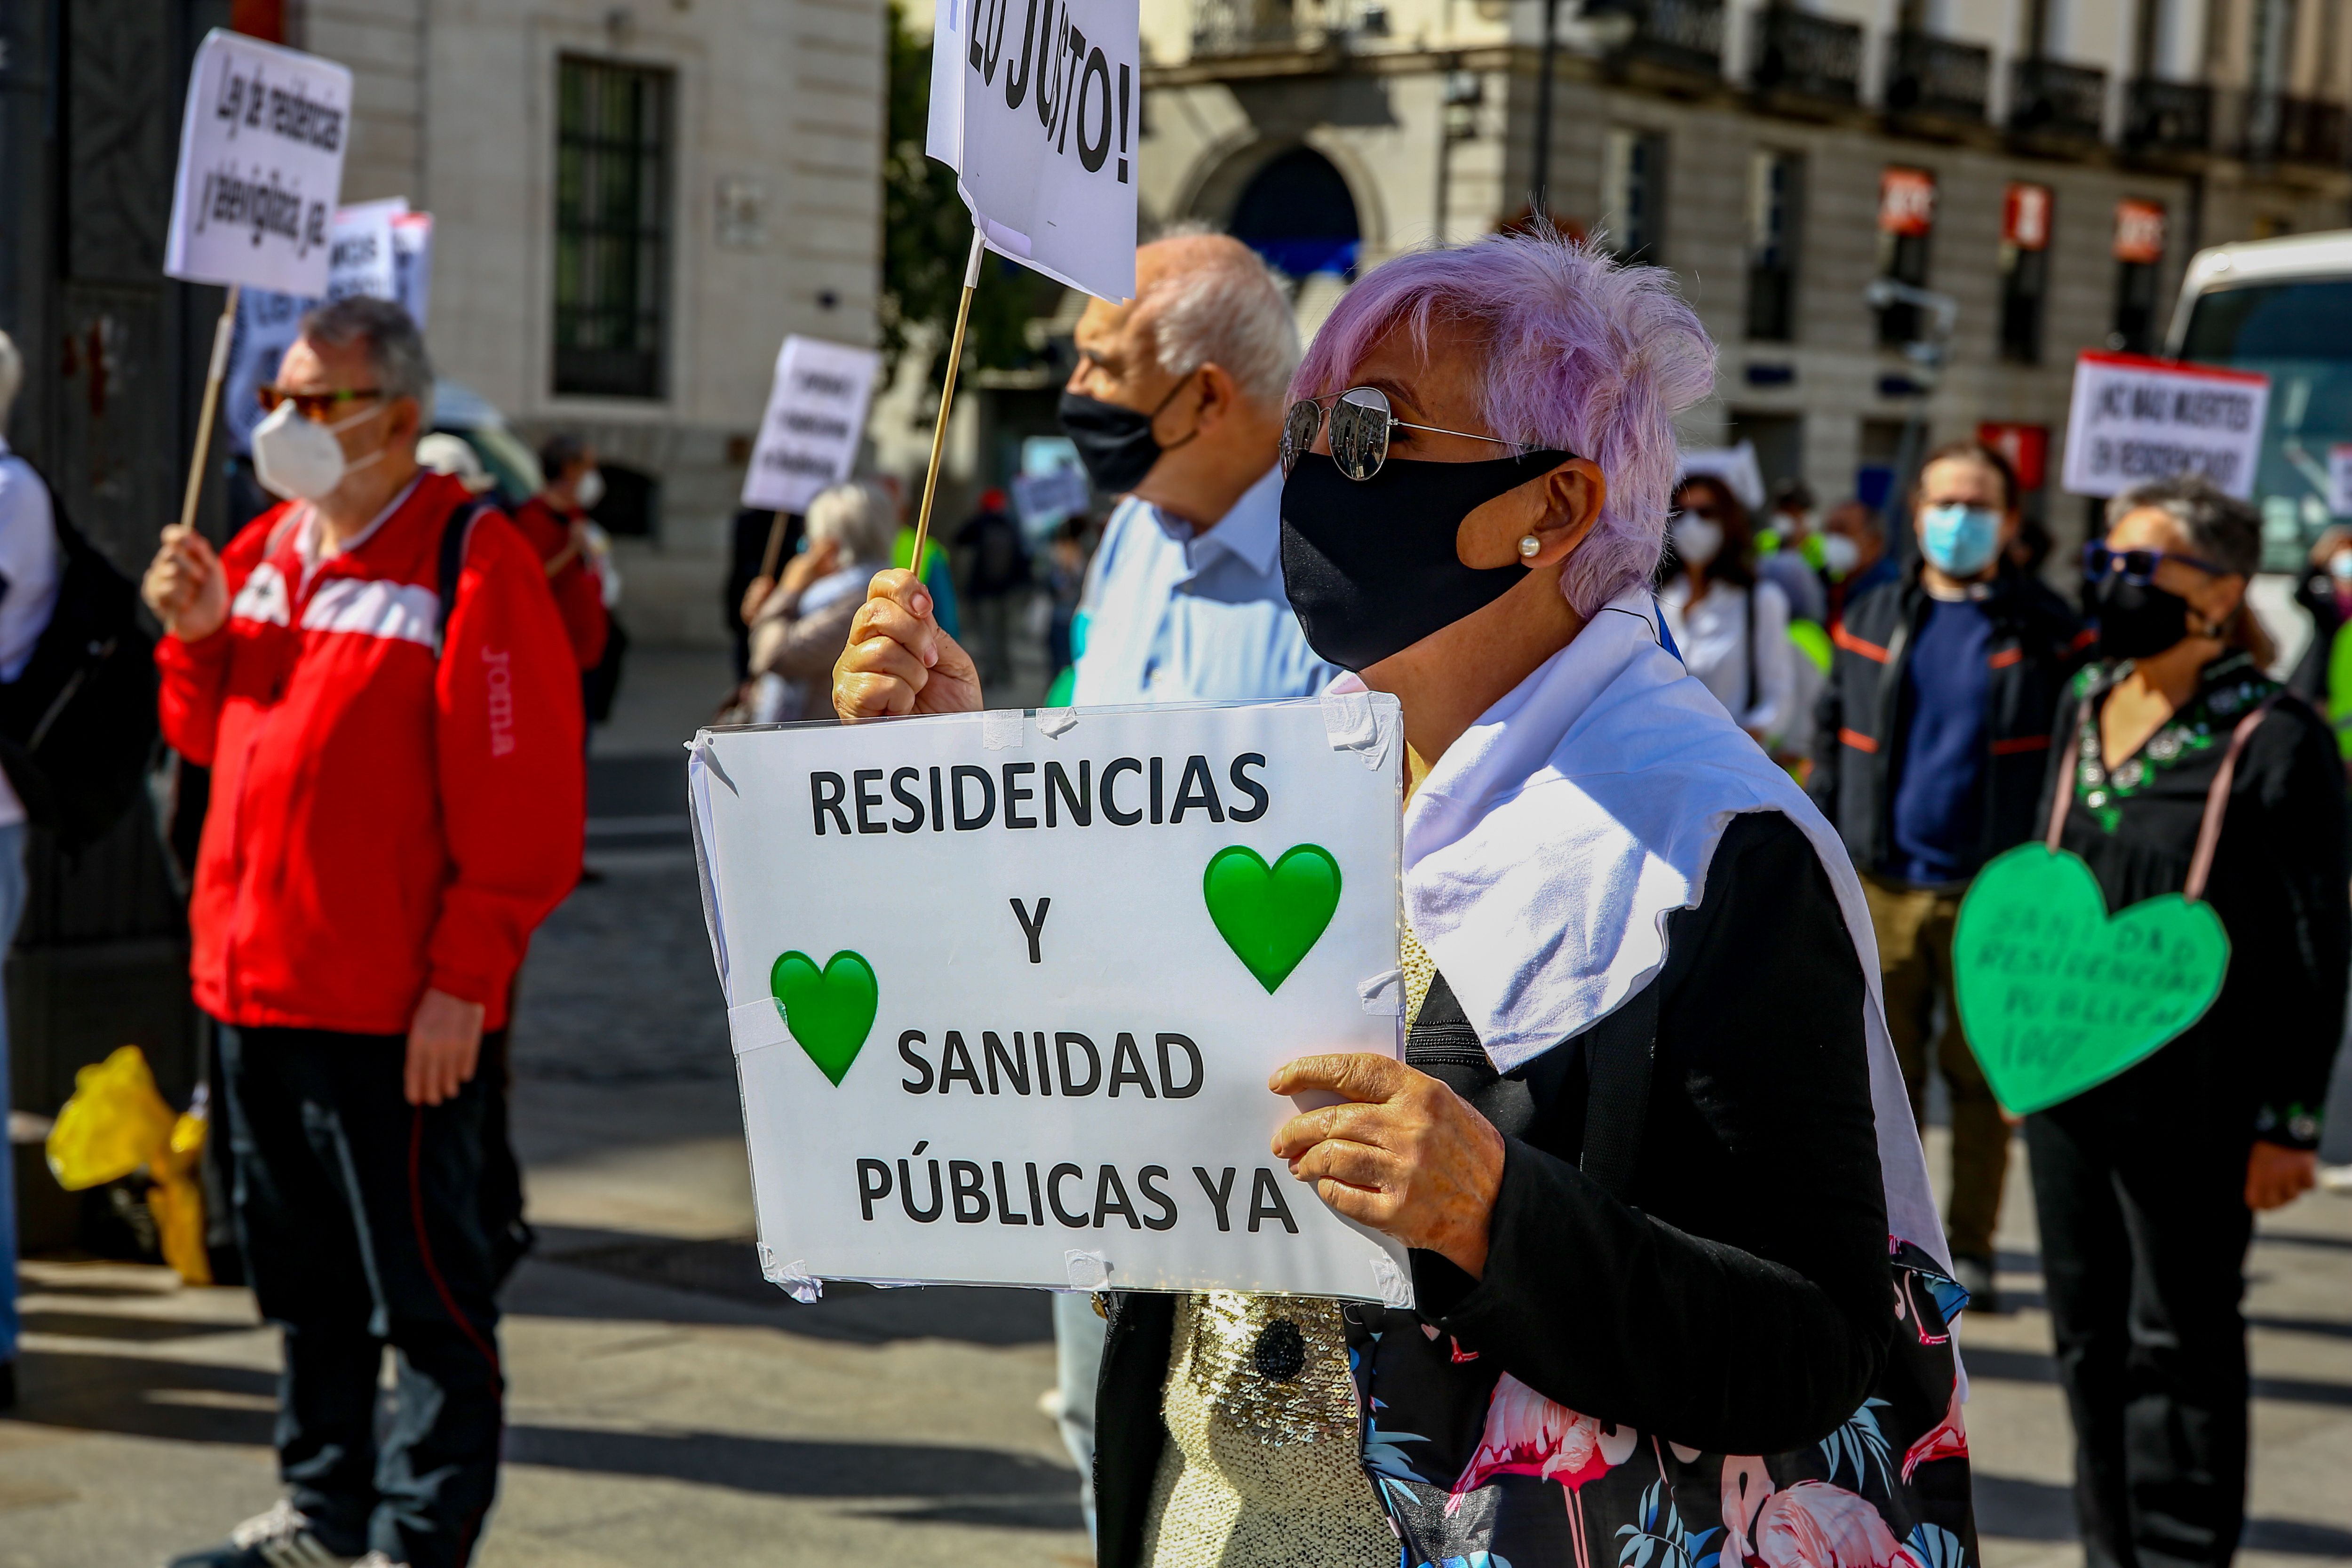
[2182, 770]
[377, 675]
[1617, 1268]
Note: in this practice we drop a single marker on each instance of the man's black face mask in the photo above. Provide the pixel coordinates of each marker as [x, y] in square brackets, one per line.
[1115, 442]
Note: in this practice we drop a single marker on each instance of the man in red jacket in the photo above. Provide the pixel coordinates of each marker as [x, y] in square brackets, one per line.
[377, 676]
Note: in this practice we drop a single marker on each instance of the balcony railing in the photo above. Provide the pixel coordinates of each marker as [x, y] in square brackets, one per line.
[1266, 26]
[1926, 75]
[2311, 131]
[2167, 116]
[1687, 35]
[2274, 128]
[2052, 98]
[1805, 56]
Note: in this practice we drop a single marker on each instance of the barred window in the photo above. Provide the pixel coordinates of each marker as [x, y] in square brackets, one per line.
[612, 227]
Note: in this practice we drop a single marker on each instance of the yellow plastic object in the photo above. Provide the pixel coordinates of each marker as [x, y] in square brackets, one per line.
[115, 1124]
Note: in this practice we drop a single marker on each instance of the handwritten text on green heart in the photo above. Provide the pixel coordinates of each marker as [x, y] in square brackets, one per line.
[1271, 915]
[830, 1012]
[2056, 995]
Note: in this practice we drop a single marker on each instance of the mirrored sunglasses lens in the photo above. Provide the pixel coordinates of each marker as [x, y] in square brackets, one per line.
[1299, 432]
[1359, 433]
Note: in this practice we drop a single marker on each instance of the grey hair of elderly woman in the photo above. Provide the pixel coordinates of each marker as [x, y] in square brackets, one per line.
[2221, 529]
[859, 518]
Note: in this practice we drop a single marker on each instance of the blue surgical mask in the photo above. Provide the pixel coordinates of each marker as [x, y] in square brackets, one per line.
[1960, 540]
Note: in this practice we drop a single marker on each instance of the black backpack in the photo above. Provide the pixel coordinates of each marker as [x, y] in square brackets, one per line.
[77, 724]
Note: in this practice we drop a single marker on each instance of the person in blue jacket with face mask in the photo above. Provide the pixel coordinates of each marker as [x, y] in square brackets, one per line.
[1930, 741]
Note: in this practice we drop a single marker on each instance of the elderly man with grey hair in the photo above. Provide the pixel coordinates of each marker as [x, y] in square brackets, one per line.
[1177, 402]
[377, 676]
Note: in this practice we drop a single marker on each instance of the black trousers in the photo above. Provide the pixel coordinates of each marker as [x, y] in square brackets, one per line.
[2144, 1234]
[360, 1219]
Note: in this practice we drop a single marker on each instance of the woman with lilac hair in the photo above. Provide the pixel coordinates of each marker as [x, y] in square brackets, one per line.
[1648, 1142]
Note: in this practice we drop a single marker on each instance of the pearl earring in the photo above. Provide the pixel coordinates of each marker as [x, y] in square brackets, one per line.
[1529, 544]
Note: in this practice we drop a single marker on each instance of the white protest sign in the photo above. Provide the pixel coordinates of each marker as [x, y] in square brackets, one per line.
[1005, 991]
[1043, 499]
[261, 163]
[412, 264]
[816, 414]
[360, 258]
[2134, 419]
[264, 331]
[1034, 105]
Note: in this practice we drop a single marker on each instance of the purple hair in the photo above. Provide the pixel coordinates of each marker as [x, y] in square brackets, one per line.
[1583, 355]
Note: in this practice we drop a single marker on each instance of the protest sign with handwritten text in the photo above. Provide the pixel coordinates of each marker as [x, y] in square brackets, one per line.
[261, 163]
[815, 418]
[1036, 104]
[1005, 990]
[2134, 419]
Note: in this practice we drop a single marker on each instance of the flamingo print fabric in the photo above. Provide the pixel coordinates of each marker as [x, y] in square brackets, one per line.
[1498, 1476]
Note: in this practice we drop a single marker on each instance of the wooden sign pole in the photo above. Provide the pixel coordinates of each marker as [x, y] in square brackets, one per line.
[222, 336]
[947, 399]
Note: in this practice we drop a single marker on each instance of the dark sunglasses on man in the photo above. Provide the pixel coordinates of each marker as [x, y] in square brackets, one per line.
[319, 408]
[2136, 566]
[1362, 423]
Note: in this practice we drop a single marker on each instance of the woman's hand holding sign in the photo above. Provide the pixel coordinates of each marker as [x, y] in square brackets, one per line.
[898, 660]
[1403, 1153]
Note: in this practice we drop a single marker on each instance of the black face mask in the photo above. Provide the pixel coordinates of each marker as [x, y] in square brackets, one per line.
[1115, 442]
[2136, 619]
[1370, 566]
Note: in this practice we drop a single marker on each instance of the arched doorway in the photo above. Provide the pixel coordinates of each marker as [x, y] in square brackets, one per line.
[1298, 213]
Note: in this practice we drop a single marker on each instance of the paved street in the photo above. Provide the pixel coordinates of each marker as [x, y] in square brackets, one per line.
[668, 1407]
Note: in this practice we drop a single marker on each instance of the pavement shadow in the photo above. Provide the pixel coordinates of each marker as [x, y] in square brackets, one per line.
[2035, 1366]
[728, 1270]
[967, 1486]
[182, 1402]
[117, 1326]
[146, 1396]
[2022, 1509]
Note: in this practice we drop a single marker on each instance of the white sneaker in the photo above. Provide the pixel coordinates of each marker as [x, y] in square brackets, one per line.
[285, 1537]
[377, 1559]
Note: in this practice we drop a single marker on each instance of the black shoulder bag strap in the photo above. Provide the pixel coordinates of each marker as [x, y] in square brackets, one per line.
[1619, 1053]
[456, 532]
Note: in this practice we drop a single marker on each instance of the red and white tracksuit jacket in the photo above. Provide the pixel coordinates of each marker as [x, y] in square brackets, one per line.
[386, 815]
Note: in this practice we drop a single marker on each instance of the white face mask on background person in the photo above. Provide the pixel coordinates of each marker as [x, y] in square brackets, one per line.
[1840, 553]
[300, 458]
[1696, 541]
[588, 489]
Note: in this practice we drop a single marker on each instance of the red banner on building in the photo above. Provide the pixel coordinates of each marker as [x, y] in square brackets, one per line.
[1907, 201]
[2026, 216]
[2139, 231]
[2027, 447]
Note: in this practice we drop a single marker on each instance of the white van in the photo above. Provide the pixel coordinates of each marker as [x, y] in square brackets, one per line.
[2284, 306]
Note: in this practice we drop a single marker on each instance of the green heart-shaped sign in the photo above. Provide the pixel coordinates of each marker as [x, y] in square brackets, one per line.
[1271, 915]
[2056, 995]
[829, 1011]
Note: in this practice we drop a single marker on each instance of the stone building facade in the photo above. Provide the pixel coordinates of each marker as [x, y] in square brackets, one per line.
[2061, 159]
[739, 144]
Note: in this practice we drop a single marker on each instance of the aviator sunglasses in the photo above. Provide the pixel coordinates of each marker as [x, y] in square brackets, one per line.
[319, 408]
[1362, 422]
[2136, 566]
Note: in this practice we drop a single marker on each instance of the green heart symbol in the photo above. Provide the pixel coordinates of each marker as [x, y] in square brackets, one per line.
[829, 1011]
[2056, 995]
[1271, 915]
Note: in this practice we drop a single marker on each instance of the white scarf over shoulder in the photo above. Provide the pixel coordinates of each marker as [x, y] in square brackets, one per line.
[1546, 848]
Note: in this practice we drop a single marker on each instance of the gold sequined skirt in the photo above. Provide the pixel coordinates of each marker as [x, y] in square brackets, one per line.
[1262, 1468]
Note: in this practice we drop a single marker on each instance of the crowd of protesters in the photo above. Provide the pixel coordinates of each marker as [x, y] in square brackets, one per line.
[390, 676]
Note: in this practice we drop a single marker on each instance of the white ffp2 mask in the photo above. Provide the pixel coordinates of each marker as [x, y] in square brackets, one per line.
[300, 458]
[588, 489]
